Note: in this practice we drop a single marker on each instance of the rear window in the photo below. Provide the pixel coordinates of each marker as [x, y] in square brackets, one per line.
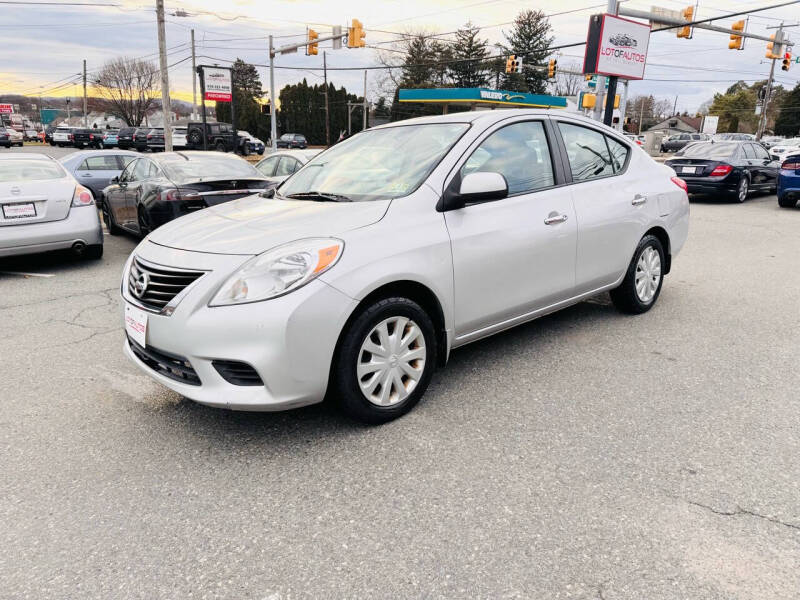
[711, 151]
[29, 170]
[208, 168]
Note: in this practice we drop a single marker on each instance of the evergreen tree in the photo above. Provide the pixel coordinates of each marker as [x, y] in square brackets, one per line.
[530, 38]
[470, 52]
[788, 121]
[247, 91]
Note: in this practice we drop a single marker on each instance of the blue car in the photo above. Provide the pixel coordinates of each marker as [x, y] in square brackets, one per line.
[110, 139]
[789, 181]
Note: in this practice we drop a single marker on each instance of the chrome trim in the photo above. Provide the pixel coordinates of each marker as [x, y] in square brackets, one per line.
[169, 308]
[244, 191]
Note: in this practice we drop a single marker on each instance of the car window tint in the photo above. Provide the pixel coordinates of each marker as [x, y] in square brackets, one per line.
[127, 174]
[685, 136]
[287, 166]
[519, 152]
[125, 160]
[761, 152]
[267, 167]
[100, 163]
[748, 151]
[141, 170]
[587, 152]
[619, 153]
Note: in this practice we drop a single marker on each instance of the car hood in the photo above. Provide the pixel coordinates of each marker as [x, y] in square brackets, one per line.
[254, 224]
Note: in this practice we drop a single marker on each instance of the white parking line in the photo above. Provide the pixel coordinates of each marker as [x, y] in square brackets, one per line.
[21, 274]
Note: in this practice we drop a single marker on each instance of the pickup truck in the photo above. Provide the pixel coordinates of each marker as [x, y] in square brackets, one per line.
[62, 136]
[87, 137]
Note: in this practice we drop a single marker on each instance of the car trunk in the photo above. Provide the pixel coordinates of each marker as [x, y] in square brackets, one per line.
[693, 167]
[216, 192]
[27, 202]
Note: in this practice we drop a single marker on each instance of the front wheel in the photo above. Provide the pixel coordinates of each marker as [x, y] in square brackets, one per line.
[385, 361]
[641, 286]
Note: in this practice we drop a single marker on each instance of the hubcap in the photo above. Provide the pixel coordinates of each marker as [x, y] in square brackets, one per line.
[743, 190]
[648, 274]
[391, 361]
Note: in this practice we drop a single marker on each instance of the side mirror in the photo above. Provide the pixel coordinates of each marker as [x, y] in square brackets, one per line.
[115, 179]
[473, 189]
[270, 193]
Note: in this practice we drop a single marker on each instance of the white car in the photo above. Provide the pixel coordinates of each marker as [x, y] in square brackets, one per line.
[778, 151]
[62, 136]
[178, 137]
[392, 248]
[43, 208]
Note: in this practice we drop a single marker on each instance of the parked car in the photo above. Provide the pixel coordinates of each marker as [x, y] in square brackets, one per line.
[392, 248]
[140, 138]
[732, 168]
[48, 135]
[789, 181]
[155, 139]
[5, 139]
[30, 135]
[220, 137]
[292, 140]
[43, 208]
[678, 141]
[96, 168]
[179, 137]
[256, 145]
[110, 139]
[154, 190]
[15, 138]
[62, 136]
[635, 138]
[125, 138]
[771, 140]
[734, 137]
[84, 137]
[778, 151]
[279, 165]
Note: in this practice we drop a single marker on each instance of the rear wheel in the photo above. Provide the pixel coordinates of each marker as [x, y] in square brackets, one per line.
[220, 146]
[385, 361]
[785, 201]
[144, 222]
[641, 286]
[742, 189]
[108, 219]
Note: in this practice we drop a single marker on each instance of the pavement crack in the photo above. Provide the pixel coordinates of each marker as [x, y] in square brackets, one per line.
[745, 512]
[60, 298]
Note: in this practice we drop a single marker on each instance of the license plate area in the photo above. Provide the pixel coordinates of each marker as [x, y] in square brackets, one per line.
[21, 210]
[136, 324]
[689, 170]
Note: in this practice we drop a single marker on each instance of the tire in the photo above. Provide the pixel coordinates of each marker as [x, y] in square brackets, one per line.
[740, 195]
[93, 252]
[195, 137]
[108, 219]
[219, 146]
[390, 313]
[626, 297]
[786, 201]
[144, 222]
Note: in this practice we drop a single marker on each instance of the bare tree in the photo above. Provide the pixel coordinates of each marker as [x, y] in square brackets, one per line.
[569, 80]
[127, 87]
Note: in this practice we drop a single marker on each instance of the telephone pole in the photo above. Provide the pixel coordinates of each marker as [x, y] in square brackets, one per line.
[327, 120]
[366, 104]
[162, 59]
[86, 116]
[194, 81]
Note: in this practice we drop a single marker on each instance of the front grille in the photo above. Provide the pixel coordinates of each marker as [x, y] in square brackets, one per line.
[237, 373]
[169, 365]
[161, 284]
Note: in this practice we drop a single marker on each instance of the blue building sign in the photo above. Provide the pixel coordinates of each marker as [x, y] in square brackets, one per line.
[481, 96]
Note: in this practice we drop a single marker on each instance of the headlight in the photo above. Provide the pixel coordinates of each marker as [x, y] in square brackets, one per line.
[279, 271]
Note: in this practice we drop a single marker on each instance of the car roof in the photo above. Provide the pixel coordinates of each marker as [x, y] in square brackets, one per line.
[22, 155]
[82, 154]
[191, 154]
[305, 155]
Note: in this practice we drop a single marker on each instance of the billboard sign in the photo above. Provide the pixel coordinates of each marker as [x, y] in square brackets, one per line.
[616, 47]
[217, 84]
[6, 109]
[710, 123]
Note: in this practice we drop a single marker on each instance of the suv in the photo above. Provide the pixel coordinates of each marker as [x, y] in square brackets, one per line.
[292, 140]
[125, 138]
[87, 137]
[140, 138]
[62, 136]
[221, 137]
[155, 139]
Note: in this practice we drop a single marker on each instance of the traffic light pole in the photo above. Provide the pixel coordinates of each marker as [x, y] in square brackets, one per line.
[762, 118]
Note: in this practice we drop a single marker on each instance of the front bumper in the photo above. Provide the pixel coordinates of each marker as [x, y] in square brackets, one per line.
[81, 225]
[290, 341]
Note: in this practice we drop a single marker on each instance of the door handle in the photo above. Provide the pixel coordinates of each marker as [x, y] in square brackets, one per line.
[638, 199]
[554, 218]
[86, 174]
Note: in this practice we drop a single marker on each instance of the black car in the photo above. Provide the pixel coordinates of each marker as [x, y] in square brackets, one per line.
[155, 139]
[140, 138]
[292, 140]
[82, 137]
[219, 136]
[154, 190]
[125, 138]
[48, 134]
[733, 168]
[676, 142]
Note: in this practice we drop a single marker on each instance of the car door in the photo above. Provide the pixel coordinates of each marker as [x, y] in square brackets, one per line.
[514, 256]
[96, 172]
[133, 190]
[766, 168]
[115, 196]
[612, 204]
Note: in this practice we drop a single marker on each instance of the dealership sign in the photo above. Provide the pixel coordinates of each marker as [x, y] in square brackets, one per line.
[616, 47]
[217, 84]
[6, 108]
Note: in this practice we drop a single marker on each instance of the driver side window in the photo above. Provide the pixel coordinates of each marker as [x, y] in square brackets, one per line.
[127, 174]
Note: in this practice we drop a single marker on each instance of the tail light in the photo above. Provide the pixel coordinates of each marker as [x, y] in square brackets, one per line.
[792, 164]
[178, 195]
[91, 136]
[71, 138]
[680, 183]
[149, 135]
[82, 197]
[720, 170]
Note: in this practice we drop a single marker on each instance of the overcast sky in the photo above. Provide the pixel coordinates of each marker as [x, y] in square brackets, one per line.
[44, 45]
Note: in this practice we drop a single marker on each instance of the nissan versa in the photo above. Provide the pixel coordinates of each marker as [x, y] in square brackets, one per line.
[385, 252]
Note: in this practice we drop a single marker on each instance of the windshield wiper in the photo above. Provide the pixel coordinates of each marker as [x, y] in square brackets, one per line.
[319, 197]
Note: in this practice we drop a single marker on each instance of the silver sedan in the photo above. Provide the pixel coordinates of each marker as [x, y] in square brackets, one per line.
[43, 208]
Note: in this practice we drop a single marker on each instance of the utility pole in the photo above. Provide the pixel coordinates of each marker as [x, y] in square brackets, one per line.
[641, 116]
[779, 44]
[272, 104]
[366, 104]
[85, 116]
[194, 81]
[623, 105]
[327, 119]
[675, 106]
[162, 59]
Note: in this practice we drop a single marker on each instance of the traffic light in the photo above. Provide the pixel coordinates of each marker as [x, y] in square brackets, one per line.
[686, 30]
[355, 35]
[773, 48]
[551, 68]
[313, 48]
[787, 61]
[736, 40]
[512, 64]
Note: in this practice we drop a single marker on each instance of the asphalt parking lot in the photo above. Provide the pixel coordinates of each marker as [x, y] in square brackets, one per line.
[585, 455]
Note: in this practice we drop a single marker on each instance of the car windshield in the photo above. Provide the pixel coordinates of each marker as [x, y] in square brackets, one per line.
[207, 168]
[377, 164]
[711, 151]
[29, 170]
